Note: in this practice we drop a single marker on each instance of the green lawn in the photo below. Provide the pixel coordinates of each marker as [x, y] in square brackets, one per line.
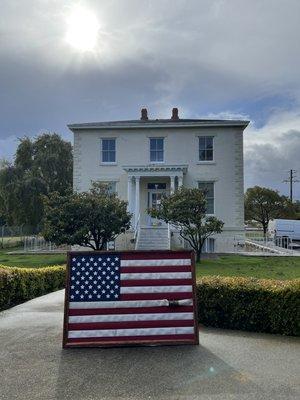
[30, 260]
[258, 267]
[233, 265]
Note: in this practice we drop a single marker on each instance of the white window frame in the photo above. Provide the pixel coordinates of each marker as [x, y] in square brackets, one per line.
[101, 151]
[109, 182]
[213, 150]
[214, 198]
[163, 150]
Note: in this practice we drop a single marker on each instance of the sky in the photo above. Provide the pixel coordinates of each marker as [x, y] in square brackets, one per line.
[83, 61]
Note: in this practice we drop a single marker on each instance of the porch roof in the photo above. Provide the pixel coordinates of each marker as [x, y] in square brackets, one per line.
[155, 170]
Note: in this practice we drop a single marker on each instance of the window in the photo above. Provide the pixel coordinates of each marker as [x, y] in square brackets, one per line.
[206, 148]
[208, 188]
[111, 186]
[108, 150]
[156, 149]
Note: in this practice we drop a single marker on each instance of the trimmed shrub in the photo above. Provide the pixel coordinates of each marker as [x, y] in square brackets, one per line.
[21, 284]
[259, 305]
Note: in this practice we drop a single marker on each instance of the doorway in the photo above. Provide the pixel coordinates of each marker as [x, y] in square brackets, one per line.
[156, 192]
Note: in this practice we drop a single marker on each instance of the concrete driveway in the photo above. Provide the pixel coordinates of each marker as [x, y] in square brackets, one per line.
[227, 364]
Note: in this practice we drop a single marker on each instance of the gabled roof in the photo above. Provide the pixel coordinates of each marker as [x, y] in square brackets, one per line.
[159, 123]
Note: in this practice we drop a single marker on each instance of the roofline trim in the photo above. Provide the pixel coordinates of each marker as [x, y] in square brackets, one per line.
[149, 125]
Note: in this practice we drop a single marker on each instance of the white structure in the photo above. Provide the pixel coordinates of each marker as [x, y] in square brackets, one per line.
[145, 159]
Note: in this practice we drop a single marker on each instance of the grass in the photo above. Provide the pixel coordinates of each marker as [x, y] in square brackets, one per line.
[281, 268]
[30, 260]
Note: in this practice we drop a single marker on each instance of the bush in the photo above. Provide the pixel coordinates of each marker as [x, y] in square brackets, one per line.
[250, 304]
[21, 284]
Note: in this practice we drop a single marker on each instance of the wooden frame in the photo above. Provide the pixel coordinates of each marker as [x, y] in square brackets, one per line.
[121, 343]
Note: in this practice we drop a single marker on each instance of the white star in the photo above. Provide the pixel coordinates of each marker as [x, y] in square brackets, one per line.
[107, 286]
[95, 264]
[95, 272]
[108, 268]
[87, 273]
[82, 278]
[94, 291]
[74, 259]
[104, 263]
[103, 291]
[72, 278]
[90, 286]
[116, 278]
[90, 277]
[94, 282]
[91, 259]
[72, 287]
[77, 273]
[86, 282]
[116, 295]
[103, 282]
[78, 264]
[108, 296]
[90, 296]
[86, 291]
[98, 296]
[82, 287]
[77, 291]
[116, 259]
[83, 259]
[99, 259]
[117, 268]
[108, 259]
[72, 297]
[87, 264]
[111, 282]
[77, 282]
[112, 272]
[73, 268]
[111, 291]
[112, 263]
[81, 296]
[116, 286]
[108, 277]
[98, 286]
[103, 273]
[91, 268]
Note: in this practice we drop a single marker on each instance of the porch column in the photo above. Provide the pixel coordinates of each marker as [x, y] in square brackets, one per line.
[180, 181]
[137, 199]
[172, 186]
[129, 194]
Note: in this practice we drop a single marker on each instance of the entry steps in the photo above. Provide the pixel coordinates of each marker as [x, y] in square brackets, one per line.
[152, 238]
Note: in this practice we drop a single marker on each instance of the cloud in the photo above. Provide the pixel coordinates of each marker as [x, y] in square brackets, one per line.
[272, 150]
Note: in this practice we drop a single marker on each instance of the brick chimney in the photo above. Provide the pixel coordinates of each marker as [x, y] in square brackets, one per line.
[144, 114]
[175, 114]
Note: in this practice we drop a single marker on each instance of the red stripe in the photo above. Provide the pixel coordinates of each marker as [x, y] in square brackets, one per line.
[155, 255]
[156, 296]
[129, 325]
[138, 339]
[130, 310]
[165, 268]
[155, 282]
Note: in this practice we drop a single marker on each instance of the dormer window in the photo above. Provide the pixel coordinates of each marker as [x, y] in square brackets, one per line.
[156, 150]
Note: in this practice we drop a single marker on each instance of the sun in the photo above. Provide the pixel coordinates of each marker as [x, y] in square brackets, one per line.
[82, 29]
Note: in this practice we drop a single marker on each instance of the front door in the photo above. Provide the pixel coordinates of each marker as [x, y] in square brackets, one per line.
[154, 201]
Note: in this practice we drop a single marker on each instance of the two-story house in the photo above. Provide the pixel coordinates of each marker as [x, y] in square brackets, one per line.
[145, 159]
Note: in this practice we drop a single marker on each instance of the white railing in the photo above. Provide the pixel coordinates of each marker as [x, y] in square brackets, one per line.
[169, 235]
[137, 230]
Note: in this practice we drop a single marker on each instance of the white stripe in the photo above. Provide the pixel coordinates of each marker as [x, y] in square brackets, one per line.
[158, 275]
[119, 304]
[156, 289]
[131, 317]
[155, 263]
[130, 332]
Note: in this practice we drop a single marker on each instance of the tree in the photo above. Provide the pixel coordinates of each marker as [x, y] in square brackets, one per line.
[42, 165]
[89, 219]
[262, 205]
[186, 210]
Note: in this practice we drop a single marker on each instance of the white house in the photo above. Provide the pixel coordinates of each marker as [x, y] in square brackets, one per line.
[146, 159]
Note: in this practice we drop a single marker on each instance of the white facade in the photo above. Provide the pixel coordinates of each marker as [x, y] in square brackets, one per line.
[141, 181]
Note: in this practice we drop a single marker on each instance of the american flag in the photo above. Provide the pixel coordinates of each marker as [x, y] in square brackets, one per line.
[129, 297]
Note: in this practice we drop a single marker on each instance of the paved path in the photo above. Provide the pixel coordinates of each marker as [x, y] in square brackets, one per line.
[227, 364]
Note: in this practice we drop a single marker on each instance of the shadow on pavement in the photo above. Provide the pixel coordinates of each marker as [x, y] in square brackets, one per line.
[147, 372]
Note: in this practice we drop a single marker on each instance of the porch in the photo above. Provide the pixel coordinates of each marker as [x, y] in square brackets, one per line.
[147, 185]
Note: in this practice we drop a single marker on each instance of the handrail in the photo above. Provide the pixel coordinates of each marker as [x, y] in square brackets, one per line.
[169, 235]
[136, 229]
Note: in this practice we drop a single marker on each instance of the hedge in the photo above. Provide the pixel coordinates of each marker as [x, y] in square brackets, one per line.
[259, 305]
[21, 284]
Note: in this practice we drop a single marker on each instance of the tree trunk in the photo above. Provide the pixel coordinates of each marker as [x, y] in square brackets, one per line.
[198, 255]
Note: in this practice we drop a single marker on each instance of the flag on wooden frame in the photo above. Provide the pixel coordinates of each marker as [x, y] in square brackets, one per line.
[132, 297]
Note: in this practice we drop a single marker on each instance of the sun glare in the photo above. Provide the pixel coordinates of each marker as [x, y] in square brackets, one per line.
[82, 30]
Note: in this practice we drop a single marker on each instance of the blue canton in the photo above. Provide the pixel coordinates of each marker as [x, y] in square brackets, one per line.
[95, 278]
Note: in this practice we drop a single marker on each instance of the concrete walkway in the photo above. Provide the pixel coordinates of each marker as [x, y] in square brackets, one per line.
[227, 364]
